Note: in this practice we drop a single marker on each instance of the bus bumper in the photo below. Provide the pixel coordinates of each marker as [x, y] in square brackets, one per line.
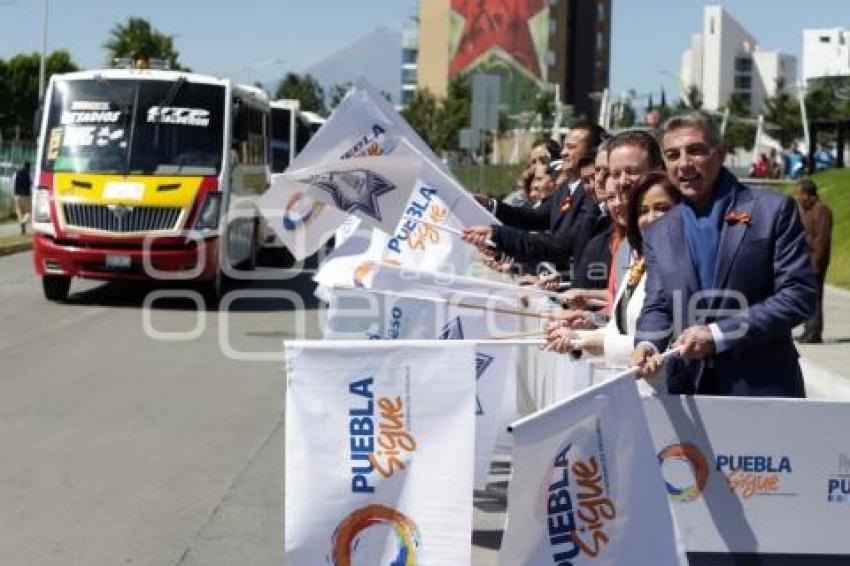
[195, 260]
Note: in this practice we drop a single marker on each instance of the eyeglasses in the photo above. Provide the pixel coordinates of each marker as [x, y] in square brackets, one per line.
[696, 151]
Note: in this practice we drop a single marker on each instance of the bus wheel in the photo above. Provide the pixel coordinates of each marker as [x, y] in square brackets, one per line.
[216, 288]
[250, 262]
[55, 287]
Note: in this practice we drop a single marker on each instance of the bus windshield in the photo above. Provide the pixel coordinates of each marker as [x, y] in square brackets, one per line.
[133, 126]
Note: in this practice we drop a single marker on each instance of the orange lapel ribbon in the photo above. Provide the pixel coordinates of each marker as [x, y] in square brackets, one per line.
[735, 217]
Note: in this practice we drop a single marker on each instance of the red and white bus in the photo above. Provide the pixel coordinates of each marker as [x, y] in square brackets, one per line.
[147, 173]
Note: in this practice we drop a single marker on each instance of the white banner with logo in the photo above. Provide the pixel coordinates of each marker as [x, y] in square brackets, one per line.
[378, 451]
[746, 475]
[374, 189]
[365, 125]
[585, 486]
[361, 314]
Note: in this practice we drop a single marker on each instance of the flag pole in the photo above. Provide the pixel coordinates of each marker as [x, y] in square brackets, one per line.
[513, 312]
[556, 406]
[449, 229]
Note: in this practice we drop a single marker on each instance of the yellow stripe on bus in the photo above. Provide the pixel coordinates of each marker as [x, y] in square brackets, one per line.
[132, 190]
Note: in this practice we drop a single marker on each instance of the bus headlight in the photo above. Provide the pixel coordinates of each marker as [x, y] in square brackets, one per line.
[209, 213]
[41, 205]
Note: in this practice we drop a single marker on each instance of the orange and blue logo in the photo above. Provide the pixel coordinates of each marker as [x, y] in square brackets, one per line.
[298, 213]
[690, 455]
[348, 532]
[362, 273]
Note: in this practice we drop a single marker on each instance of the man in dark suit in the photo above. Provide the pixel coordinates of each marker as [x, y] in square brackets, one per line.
[550, 231]
[728, 277]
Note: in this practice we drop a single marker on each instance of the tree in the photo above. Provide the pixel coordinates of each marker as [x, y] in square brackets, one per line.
[828, 98]
[455, 113]
[338, 92]
[664, 111]
[422, 114]
[439, 120]
[305, 89]
[19, 90]
[782, 112]
[139, 41]
[693, 99]
[740, 132]
[623, 113]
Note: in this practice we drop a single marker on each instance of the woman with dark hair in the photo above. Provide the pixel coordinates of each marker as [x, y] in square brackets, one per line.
[648, 200]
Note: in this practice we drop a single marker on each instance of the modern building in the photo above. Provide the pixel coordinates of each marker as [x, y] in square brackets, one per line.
[826, 53]
[409, 60]
[532, 45]
[725, 59]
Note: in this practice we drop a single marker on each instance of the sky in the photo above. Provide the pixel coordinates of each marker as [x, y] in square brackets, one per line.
[263, 39]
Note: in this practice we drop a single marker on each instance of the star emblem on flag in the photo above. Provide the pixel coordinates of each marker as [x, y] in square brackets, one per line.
[499, 26]
[356, 190]
[453, 330]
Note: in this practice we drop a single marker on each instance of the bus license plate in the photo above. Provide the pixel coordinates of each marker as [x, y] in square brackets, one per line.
[118, 261]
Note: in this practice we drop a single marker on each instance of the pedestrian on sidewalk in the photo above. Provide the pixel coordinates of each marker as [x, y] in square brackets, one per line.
[817, 224]
[23, 195]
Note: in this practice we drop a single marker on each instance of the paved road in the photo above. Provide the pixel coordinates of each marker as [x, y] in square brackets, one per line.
[122, 449]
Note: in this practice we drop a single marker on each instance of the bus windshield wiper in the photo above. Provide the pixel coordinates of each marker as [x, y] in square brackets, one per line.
[166, 101]
[129, 154]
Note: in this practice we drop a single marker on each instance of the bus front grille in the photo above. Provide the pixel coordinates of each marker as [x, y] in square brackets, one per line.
[121, 219]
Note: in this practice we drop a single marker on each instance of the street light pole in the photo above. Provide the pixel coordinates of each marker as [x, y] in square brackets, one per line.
[42, 63]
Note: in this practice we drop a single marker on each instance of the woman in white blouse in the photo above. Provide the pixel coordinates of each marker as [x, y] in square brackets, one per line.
[648, 200]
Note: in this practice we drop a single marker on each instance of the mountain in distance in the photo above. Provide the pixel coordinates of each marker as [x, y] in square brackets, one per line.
[376, 56]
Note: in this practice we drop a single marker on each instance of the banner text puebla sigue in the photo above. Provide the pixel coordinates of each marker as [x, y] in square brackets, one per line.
[380, 448]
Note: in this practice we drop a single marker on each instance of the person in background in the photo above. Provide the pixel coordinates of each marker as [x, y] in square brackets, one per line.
[543, 184]
[22, 186]
[539, 155]
[761, 168]
[594, 261]
[817, 224]
[547, 233]
[648, 200]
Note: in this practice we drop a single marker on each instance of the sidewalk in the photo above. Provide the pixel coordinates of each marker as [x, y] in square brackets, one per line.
[826, 367]
[10, 228]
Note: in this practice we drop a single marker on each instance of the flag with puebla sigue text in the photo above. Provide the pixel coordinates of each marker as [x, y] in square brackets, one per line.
[379, 452]
[586, 487]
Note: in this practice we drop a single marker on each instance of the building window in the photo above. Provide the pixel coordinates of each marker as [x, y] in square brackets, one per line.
[743, 65]
[824, 39]
[711, 26]
[408, 56]
[600, 12]
[743, 82]
[550, 58]
[408, 76]
[407, 96]
[553, 27]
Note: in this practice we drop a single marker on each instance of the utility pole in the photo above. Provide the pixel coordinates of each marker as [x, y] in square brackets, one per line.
[42, 63]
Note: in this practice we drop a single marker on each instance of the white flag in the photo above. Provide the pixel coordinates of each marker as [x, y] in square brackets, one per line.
[429, 315]
[378, 453]
[375, 189]
[586, 487]
[363, 125]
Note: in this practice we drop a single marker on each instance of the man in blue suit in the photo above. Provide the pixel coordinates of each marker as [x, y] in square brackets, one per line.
[728, 277]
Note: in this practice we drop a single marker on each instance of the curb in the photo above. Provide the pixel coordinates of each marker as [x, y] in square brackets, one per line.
[839, 290]
[15, 248]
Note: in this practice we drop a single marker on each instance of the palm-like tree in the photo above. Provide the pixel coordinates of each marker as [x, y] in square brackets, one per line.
[138, 40]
